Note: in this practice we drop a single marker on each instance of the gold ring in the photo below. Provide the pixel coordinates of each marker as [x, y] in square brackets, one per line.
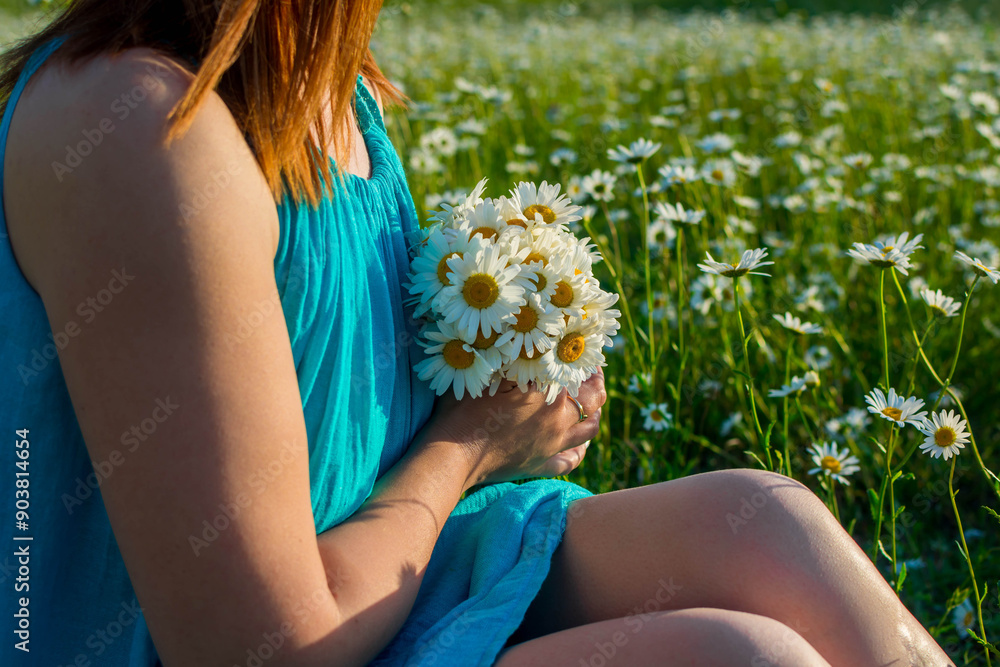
[579, 406]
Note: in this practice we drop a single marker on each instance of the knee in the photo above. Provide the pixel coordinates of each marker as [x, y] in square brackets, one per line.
[767, 502]
[758, 640]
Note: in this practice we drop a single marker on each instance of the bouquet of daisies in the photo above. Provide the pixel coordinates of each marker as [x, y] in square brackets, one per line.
[505, 291]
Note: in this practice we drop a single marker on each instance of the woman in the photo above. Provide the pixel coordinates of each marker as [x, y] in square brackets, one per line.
[231, 462]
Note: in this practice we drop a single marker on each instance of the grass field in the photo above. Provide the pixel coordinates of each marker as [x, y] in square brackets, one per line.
[802, 136]
[799, 136]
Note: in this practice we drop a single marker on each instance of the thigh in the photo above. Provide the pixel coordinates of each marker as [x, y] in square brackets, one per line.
[705, 637]
[686, 543]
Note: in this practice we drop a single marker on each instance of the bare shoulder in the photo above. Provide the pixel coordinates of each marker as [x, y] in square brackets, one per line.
[93, 132]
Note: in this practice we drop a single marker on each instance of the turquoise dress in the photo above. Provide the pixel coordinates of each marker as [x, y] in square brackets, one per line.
[338, 269]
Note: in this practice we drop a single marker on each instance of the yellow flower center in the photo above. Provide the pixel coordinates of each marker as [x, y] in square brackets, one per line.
[518, 222]
[892, 413]
[967, 619]
[527, 319]
[944, 437]
[456, 356]
[443, 269]
[563, 295]
[488, 233]
[571, 347]
[484, 342]
[830, 463]
[535, 257]
[540, 282]
[886, 250]
[717, 174]
[656, 416]
[481, 290]
[548, 215]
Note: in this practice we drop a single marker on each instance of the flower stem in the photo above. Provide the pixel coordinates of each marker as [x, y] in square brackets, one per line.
[746, 360]
[805, 422]
[788, 379]
[945, 385]
[680, 318]
[645, 259]
[968, 557]
[833, 499]
[885, 333]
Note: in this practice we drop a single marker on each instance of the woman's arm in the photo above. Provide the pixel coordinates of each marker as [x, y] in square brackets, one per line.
[221, 549]
[158, 255]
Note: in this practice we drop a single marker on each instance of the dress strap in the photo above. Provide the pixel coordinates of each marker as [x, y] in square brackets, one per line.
[367, 108]
[34, 62]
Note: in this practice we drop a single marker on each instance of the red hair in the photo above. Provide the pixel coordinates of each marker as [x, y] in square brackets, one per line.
[276, 64]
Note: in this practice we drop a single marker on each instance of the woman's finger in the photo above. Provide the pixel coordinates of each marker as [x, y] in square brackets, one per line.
[564, 462]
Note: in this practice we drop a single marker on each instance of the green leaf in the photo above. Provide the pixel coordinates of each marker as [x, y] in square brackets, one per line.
[873, 501]
[909, 476]
[902, 578]
[881, 547]
[957, 597]
[767, 435]
[900, 510]
[757, 459]
[878, 444]
[897, 475]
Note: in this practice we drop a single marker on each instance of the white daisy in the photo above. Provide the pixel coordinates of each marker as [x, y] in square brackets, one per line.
[750, 260]
[858, 160]
[571, 292]
[978, 266]
[451, 215]
[637, 382]
[964, 617]
[485, 221]
[941, 304]
[678, 175]
[543, 202]
[598, 310]
[429, 269]
[677, 213]
[893, 252]
[716, 143]
[811, 378]
[452, 363]
[795, 324]
[510, 212]
[600, 185]
[526, 371]
[797, 386]
[895, 408]
[636, 153]
[484, 292]
[833, 462]
[658, 417]
[531, 329]
[946, 433]
[574, 358]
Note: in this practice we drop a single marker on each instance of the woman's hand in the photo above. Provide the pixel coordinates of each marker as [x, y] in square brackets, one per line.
[514, 434]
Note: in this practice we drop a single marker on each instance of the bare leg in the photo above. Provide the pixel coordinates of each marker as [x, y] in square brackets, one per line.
[742, 540]
[706, 637]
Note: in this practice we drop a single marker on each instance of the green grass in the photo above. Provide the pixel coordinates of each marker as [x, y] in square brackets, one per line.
[586, 83]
